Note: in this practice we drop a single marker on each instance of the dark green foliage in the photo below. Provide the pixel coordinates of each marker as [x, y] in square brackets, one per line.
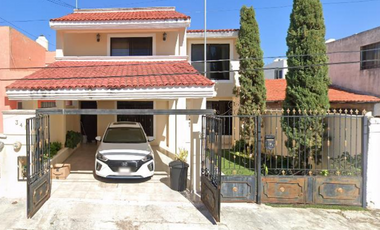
[307, 87]
[72, 139]
[54, 148]
[252, 83]
[252, 92]
[240, 146]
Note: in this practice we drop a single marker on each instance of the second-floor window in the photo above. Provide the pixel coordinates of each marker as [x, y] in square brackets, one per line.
[131, 46]
[278, 74]
[219, 69]
[370, 56]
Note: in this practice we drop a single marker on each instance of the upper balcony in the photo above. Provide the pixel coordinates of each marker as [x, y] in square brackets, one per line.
[157, 33]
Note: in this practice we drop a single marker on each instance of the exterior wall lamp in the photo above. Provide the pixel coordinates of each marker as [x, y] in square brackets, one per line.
[98, 37]
[164, 36]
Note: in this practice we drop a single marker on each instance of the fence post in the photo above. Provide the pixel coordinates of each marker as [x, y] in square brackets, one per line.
[258, 164]
[364, 160]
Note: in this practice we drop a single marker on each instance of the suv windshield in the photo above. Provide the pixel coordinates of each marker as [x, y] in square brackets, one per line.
[124, 135]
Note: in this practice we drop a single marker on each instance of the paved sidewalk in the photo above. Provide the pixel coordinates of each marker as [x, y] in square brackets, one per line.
[81, 214]
[81, 202]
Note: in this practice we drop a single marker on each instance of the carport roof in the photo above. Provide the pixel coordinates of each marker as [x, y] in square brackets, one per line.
[112, 75]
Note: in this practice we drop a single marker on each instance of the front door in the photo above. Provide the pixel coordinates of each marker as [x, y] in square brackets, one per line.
[89, 123]
[38, 163]
[211, 165]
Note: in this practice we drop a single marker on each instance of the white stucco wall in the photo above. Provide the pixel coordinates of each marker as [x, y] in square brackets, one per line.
[14, 130]
[278, 63]
[373, 172]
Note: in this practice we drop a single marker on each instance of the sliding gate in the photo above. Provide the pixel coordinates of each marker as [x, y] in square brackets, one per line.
[295, 157]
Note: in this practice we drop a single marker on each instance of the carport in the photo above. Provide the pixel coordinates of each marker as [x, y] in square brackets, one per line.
[39, 182]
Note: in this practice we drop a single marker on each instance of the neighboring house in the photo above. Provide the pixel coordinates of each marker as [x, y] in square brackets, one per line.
[339, 99]
[18, 51]
[276, 70]
[362, 53]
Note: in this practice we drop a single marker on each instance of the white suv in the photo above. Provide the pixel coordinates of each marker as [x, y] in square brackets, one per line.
[124, 152]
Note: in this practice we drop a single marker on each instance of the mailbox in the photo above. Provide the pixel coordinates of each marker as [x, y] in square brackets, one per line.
[270, 142]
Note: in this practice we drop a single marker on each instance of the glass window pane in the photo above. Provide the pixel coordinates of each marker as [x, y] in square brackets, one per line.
[124, 135]
[119, 47]
[141, 46]
[370, 56]
[214, 52]
[131, 46]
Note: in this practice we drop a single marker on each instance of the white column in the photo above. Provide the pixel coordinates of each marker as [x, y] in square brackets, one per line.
[182, 128]
[373, 169]
[172, 133]
[196, 147]
[60, 44]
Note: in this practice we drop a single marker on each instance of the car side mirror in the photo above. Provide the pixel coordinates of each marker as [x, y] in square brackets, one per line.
[150, 139]
[98, 138]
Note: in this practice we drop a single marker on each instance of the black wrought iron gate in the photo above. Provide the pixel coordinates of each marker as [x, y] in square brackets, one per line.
[293, 157]
[38, 163]
[211, 165]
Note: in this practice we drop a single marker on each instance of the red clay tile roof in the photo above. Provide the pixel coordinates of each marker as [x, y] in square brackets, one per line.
[111, 75]
[121, 16]
[276, 92]
[213, 31]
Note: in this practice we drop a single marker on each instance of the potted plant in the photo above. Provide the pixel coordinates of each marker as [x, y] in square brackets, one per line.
[178, 171]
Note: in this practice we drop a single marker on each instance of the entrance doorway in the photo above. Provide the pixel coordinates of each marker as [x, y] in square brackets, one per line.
[89, 123]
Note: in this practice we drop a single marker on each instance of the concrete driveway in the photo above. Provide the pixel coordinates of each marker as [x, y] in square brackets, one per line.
[83, 202]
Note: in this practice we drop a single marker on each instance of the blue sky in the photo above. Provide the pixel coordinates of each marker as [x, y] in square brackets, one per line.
[342, 17]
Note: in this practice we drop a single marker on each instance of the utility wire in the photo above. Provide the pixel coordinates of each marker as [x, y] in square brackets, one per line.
[187, 73]
[290, 6]
[139, 63]
[61, 3]
[17, 27]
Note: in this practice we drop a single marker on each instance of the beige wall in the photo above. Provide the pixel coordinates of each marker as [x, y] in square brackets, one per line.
[104, 120]
[85, 44]
[223, 88]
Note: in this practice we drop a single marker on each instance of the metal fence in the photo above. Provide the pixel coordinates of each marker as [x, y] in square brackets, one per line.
[275, 145]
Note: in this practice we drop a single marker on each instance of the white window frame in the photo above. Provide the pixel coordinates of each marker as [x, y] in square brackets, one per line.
[221, 42]
[144, 35]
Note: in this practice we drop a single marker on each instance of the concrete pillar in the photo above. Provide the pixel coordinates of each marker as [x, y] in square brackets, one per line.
[373, 169]
[196, 146]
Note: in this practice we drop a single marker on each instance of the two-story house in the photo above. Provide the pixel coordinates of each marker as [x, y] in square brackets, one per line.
[136, 58]
[360, 54]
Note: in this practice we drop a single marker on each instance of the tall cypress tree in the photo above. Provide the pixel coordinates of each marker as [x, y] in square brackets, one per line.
[252, 90]
[252, 83]
[307, 79]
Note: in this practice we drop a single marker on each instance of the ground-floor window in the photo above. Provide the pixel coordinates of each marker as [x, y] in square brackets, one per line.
[223, 108]
[145, 120]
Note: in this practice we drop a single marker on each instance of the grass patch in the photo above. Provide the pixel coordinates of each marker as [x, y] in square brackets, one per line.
[231, 168]
[318, 206]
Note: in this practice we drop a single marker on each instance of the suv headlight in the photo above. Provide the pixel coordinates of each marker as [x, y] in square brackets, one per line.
[148, 157]
[101, 157]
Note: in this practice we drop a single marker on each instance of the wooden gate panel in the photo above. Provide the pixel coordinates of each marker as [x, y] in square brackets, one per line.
[238, 188]
[284, 190]
[338, 190]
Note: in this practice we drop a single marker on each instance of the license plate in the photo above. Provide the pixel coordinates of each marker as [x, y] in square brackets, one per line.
[125, 170]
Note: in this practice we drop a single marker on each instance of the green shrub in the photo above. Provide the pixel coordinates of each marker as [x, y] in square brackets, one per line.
[72, 139]
[54, 148]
